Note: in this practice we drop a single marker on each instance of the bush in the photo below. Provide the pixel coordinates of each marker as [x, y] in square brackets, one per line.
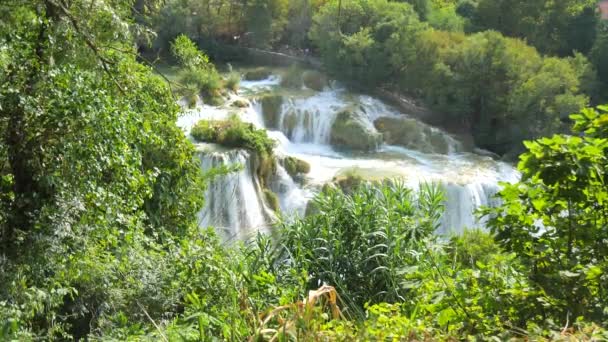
[292, 77]
[358, 243]
[233, 81]
[234, 133]
[257, 74]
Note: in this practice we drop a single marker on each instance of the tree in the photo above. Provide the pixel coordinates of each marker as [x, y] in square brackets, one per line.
[95, 165]
[553, 27]
[556, 218]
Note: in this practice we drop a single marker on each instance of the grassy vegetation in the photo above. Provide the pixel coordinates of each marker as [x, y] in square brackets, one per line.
[234, 133]
[292, 77]
[257, 74]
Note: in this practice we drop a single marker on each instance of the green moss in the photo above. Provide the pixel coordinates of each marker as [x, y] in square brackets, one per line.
[266, 168]
[352, 131]
[292, 78]
[272, 200]
[314, 80]
[239, 103]
[295, 166]
[234, 133]
[257, 74]
[411, 134]
[289, 123]
[271, 109]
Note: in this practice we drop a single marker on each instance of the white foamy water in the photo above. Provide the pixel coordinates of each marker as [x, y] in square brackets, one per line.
[233, 203]
[468, 180]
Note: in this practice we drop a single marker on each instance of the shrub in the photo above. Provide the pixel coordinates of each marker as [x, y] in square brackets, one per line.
[232, 81]
[360, 242]
[257, 74]
[234, 133]
[292, 77]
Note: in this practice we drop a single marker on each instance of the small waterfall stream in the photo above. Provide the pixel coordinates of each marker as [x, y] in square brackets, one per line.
[303, 128]
[232, 202]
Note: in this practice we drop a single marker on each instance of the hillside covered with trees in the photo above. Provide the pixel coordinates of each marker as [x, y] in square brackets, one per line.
[101, 191]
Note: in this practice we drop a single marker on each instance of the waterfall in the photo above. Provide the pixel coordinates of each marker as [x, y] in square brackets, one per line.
[309, 120]
[292, 197]
[233, 203]
[461, 202]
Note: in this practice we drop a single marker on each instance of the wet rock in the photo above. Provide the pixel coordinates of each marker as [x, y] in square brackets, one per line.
[352, 130]
[314, 80]
[295, 166]
[410, 133]
[257, 74]
[271, 109]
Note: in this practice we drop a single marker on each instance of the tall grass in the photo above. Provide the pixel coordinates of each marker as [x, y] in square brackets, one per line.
[360, 242]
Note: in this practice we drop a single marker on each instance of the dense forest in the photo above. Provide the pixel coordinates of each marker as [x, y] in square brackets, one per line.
[101, 190]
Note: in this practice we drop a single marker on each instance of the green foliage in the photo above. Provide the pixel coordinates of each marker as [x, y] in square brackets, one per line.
[257, 74]
[234, 133]
[555, 27]
[197, 72]
[94, 173]
[100, 191]
[360, 243]
[599, 54]
[232, 81]
[555, 219]
[292, 77]
[499, 88]
[358, 45]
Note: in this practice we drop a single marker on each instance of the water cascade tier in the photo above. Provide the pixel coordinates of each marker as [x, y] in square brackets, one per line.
[233, 201]
[338, 132]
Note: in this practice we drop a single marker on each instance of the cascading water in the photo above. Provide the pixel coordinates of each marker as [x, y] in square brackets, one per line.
[232, 202]
[303, 130]
[309, 120]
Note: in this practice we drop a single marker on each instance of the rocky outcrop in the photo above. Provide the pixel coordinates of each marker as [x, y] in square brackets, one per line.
[271, 109]
[351, 130]
[257, 74]
[314, 80]
[410, 133]
[295, 167]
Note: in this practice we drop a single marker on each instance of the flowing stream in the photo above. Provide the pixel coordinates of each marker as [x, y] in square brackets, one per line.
[302, 126]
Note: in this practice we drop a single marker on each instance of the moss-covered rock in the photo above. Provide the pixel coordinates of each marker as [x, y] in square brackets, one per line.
[234, 133]
[257, 74]
[351, 130]
[348, 181]
[295, 166]
[240, 103]
[412, 134]
[314, 80]
[272, 200]
[271, 109]
[292, 78]
[266, 168]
